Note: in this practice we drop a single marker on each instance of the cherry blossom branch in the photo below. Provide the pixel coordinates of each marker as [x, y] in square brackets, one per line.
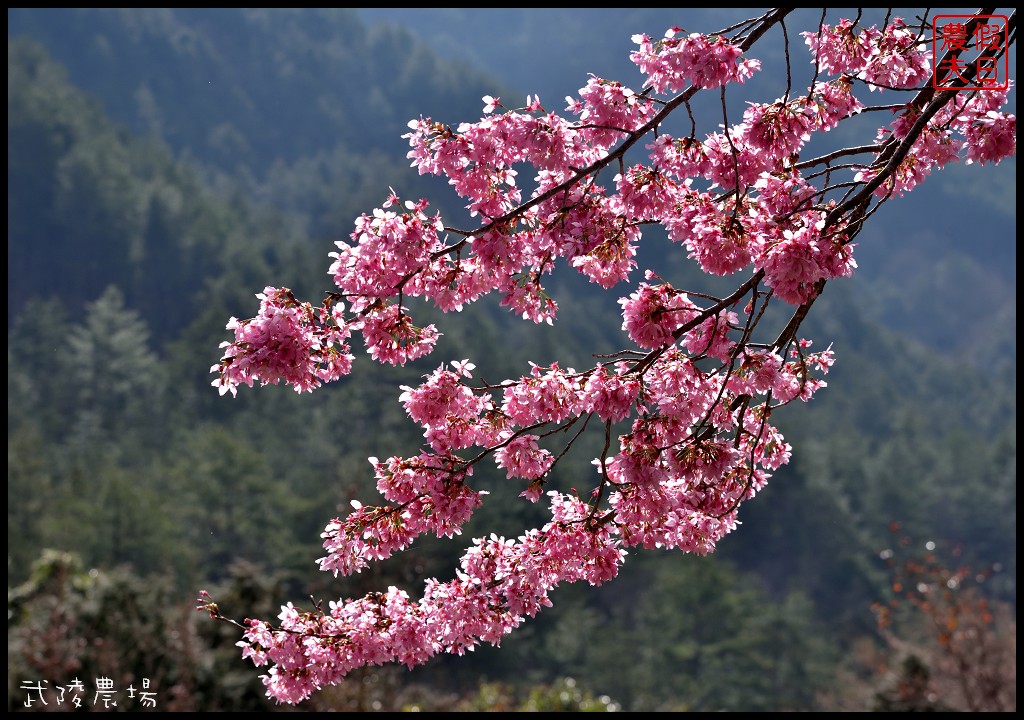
[691, 398]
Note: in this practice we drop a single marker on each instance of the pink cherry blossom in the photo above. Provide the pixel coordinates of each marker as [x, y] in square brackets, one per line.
[288, 341]
[991, 138]
[802, 257]
[610, 394]
[652, 314]
[672, 63]
[843, 49]
[392, 338]
[522, 458]
[779, 129]
[898, 59]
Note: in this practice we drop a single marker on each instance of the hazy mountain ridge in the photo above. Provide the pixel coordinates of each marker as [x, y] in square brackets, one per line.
[284, 105]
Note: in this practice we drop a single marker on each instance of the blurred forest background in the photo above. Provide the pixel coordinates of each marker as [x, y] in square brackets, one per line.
[165, 165]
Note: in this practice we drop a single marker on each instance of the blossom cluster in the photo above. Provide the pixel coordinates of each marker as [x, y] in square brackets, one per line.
[500, 583]
[893, 58]
[287, 341]
[673, 63]
[685, 411]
